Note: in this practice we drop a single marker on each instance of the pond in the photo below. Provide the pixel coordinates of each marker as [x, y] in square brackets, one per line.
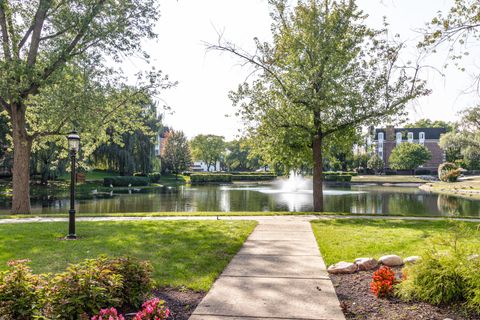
[355, 199]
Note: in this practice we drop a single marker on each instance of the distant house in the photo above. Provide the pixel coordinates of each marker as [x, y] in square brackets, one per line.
[200, 166]
[386, 139]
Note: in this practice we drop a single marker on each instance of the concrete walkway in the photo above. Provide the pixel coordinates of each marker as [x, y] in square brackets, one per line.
[278, 274]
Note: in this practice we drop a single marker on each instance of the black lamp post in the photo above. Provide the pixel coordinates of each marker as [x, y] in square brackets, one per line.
[73, 146]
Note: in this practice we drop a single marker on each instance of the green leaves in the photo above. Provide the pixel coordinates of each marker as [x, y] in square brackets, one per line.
[408, 156]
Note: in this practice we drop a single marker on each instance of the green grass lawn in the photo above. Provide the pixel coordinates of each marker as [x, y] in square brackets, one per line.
[183, 253]
[346, 240]
[387, 179]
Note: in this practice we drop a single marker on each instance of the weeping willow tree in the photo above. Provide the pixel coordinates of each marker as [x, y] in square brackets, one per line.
[135, 152]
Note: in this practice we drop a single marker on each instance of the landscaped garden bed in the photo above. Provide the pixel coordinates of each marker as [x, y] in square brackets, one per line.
[440, 281]
[357, 302]
[185, 258]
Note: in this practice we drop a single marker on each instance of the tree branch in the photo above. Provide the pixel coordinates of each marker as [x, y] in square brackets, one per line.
[3, 27]
[40, 15]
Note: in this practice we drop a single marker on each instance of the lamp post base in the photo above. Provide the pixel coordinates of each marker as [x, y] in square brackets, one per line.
[71, 225]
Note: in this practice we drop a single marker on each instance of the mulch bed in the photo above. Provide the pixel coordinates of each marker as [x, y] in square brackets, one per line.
[353, 291]
[181, 302]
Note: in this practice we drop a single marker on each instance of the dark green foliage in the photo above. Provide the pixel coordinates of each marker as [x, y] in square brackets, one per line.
[125, 181]
[337, 178]
[175, 153]
[210, 177]
[253, 177]
[19, 292]
[154, 177]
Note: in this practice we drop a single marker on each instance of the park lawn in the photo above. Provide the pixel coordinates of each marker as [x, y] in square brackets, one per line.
[187, 254]
[387, 179]
[348, 239]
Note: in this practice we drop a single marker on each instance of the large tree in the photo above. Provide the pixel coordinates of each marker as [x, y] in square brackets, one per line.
[208, 148]
[53, 75]
[325, 75]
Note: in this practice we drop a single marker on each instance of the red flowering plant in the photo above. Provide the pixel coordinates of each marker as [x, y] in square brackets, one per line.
[153, 309]
[108, 314]
[383, 281]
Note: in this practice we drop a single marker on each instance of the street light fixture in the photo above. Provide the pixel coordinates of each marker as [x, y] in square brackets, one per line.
[73, 147]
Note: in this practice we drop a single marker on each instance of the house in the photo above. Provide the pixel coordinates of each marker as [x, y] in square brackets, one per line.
[200, 166]
[386, 139]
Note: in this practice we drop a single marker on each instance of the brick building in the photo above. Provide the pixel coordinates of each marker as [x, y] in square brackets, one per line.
[385, 139]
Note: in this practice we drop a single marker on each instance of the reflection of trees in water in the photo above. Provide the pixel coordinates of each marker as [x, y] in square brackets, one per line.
[458, 206]
[408, 204]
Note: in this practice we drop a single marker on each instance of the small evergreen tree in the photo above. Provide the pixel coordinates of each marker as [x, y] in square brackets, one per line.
[408, 156]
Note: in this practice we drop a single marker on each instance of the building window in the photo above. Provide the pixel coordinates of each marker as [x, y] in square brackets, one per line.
[399, 137]
[422, 137]
[410, 137]
[380, 153]
[381, 136]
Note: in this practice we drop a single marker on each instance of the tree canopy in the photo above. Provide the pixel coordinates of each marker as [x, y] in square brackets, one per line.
[54, 74]
[208, 148]
[176, 152]
[324, 76]
[408, 156]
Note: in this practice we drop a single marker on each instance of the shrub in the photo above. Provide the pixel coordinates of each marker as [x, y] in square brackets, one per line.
[125, 181]
[253, 177]
[19, 292]
[210, 177]
[137, 279]
[337, 178]
[154, 309]
[445, 274]
[83, 289]
[154, 177]
[448, 172]
[108, 314]
[383, 281]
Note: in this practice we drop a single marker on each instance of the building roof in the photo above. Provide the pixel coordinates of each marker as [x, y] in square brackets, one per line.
[430, 133]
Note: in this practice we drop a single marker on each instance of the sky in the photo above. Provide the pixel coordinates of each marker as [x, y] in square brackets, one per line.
[200, 103]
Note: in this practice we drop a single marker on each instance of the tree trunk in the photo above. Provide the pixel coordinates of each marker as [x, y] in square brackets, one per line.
[22, 147]
[317, 174]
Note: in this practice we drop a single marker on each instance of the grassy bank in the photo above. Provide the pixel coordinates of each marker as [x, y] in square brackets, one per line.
[387, 179]
[469, 188]
[346, 240]
[183, 253]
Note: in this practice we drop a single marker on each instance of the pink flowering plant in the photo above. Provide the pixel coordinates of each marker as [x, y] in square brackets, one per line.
[108, 314]
[153, 309]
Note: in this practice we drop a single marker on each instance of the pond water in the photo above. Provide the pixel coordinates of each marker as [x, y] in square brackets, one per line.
[356, 199]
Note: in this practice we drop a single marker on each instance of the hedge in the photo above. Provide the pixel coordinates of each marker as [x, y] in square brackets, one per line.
[340, 173]
[337, 178]
[125, 181]
[253, 177]
[210, 177]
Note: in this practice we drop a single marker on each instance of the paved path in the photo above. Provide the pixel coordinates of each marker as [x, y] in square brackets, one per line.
[279, 218]
[278, 274]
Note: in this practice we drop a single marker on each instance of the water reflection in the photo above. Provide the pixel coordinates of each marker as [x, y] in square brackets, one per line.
[361, 199]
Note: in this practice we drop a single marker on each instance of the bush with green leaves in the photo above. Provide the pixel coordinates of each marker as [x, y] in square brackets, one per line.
[408, 156]
[154, 177]
[137, 281]
[20, 292]
[448, 172]
[375, 163]
[125, 181]
[82, 290]
[447, 272]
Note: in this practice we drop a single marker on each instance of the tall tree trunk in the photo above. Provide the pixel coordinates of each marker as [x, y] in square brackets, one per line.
[22, 147]
[317, 174]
